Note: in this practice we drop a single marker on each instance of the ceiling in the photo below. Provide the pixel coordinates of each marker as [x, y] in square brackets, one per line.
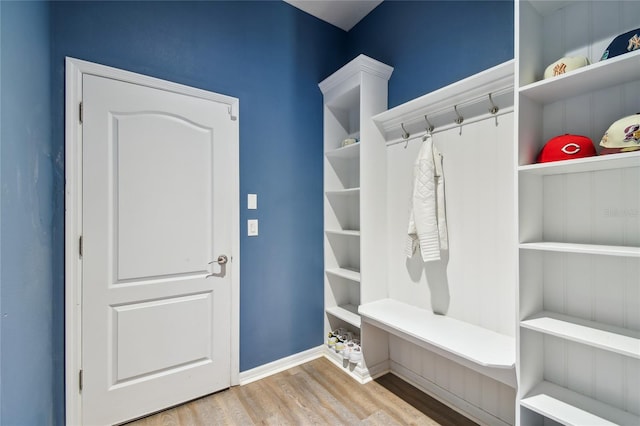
[343, 14]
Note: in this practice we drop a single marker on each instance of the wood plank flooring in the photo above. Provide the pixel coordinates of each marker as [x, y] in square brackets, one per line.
[315, 393]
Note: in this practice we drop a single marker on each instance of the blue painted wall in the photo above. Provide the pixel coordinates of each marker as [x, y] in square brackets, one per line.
[268, 54]
[271, 56]
[432, 44]
[26, 209]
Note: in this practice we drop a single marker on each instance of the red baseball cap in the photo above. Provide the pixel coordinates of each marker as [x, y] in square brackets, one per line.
[566, 147]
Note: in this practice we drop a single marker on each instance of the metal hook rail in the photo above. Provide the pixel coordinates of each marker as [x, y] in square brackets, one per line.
[476, 119]
[459, 120]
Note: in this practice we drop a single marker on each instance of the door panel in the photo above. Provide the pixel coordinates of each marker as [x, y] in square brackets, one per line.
[156, 322]
[157, 336]
[174, 222]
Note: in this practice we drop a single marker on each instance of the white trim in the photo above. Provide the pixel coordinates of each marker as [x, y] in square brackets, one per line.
[282, 364]
[75, 69]
[361, 63]
[73, 225]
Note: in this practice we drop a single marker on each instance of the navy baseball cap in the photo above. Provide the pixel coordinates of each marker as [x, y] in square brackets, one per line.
[624, 43]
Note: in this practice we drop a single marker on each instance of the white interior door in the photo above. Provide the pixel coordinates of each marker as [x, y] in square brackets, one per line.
[156, 208]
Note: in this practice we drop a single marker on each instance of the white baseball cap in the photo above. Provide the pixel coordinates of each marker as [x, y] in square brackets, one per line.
[622, 136]
[566, 64]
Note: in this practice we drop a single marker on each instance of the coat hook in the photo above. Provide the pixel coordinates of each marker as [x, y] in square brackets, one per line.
[405, 135]
[429, 125]
[494, 109]
[459, 118]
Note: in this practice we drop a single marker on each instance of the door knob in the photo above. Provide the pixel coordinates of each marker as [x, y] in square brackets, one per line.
[221, 260]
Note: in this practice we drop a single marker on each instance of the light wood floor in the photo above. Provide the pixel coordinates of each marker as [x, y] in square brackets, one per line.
[313, 393]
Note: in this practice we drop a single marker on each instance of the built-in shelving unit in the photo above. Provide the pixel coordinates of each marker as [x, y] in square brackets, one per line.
[448, 326]
[575, 243]
[352, 95]
[579, 226]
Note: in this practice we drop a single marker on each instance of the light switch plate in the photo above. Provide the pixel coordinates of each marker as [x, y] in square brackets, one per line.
[252, 201]
[252, 227]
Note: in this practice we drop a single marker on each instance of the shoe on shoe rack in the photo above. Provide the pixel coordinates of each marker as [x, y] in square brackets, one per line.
[348, 348]
[355, 354]
[331, 342]
[337, 332]
[334, 336]
[340, 334]
[339, 340]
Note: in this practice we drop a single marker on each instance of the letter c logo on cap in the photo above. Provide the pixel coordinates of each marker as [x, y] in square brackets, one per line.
[571, 148]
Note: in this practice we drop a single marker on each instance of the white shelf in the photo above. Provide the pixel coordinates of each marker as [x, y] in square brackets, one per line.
[623, 251]
[571, 408]
[610, 72]
[346, 152]
[479, 345]
[343, 233]
[350, 274]
[614, 339]
[343, 192]
[347, 313]
[590, 164]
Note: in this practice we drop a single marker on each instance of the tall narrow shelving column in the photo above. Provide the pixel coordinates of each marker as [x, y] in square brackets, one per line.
[579, 229]
[354, 203]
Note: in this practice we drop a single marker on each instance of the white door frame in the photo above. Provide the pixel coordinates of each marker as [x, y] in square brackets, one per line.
[75, 68]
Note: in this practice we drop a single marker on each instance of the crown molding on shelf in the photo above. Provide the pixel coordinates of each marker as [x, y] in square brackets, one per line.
[471, 91]
[361, 63]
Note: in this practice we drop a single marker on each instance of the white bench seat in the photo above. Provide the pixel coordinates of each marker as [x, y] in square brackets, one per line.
[483, 350]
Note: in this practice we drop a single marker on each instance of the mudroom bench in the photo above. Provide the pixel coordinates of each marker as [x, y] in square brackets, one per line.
[480, 349]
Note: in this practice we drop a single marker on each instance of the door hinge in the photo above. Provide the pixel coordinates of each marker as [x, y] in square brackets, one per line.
[80, 112]
[80, 246]
[80, 379]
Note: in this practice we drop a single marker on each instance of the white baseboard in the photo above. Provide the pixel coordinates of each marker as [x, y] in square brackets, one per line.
[282, 364]
[379, 369]
[447, 398]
